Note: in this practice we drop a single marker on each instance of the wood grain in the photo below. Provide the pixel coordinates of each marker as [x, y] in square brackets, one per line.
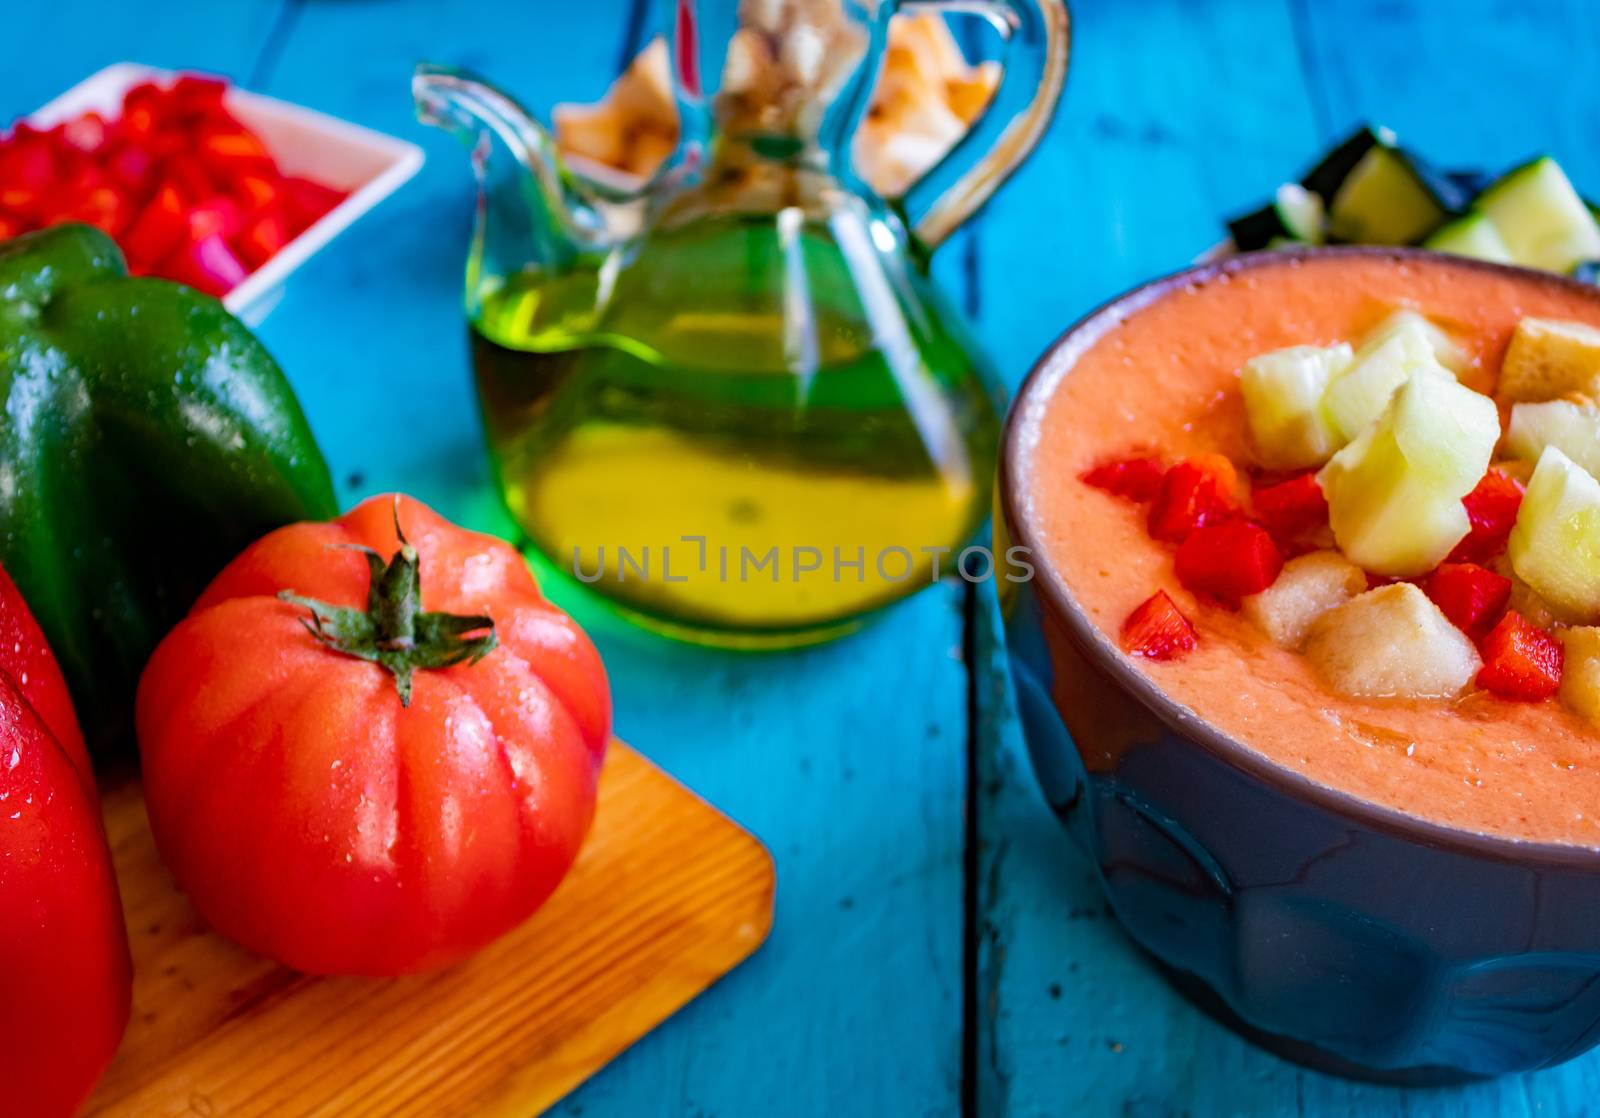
[1177, 114]
[667, 895]
[847, 760]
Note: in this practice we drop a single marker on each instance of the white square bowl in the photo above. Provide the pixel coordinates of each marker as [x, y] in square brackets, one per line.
[367, 165]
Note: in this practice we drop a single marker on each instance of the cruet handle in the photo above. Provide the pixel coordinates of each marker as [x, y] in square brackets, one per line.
[1038, 42]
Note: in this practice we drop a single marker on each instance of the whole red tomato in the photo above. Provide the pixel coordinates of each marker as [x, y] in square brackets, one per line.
[65, 976]
[354, 776]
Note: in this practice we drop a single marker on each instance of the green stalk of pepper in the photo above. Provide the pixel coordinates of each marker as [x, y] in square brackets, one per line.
[146, 438]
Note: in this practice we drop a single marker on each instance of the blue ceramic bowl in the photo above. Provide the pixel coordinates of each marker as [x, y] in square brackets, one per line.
[1339, 933]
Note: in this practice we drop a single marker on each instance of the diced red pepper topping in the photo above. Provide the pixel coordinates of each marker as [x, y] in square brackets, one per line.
[1290, 509]
[1195, 492]
[1157, 629]
[1229, 561]
[1492, 508]
[1472, 597]
[1134, 478]
[188, 191]
[1520, 660]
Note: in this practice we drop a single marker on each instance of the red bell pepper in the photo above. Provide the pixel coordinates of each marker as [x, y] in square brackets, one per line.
[197, 95]
[1290, 509]
[263, 238]
[157, 231]
[88, 133]
[1492, 508]
[27, 172]
[255, 192]
[1472, 597]
[1520, 660]
[1229, 561]
[208, 265]
[235, 149]
[1195, 492]
[65, 973]
[217, 214]
[132, 168]
[170, 175]
[307, 201]
[1135, 478]
[1157, 629]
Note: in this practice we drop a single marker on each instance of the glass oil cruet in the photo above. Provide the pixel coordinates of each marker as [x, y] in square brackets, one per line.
[728, 400]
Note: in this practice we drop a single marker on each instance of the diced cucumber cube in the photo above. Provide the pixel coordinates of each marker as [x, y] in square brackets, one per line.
[1283, 393]
[1474, 236]
[1394, 494]
[1555, 546]
[1402, 345]
[1445, 348]
[1541, 218]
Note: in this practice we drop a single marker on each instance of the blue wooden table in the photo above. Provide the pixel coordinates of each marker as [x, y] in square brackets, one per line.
[937, 947]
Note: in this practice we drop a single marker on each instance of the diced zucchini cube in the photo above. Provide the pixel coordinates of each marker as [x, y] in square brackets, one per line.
[1548, 358]
[1283, 392]
[1555, 546]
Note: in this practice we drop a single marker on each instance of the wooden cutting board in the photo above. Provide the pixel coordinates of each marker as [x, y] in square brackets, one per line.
[666, 896]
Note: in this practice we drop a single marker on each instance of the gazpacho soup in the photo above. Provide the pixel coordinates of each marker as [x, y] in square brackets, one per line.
[1344, 508]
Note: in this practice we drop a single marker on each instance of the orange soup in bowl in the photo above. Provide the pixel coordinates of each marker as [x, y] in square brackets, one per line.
[1370, 601]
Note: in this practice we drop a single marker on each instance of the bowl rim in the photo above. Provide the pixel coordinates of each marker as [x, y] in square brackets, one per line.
[1020, 435]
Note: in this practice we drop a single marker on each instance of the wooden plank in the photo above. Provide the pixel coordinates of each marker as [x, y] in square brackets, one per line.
[1072, 1019]
[1470, 84]
[847, 760]
[1473, 84]
[1175, 114]
[49, 47]
[666, 896]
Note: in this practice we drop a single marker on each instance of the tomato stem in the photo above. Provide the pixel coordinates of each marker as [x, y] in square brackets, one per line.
[393, 630]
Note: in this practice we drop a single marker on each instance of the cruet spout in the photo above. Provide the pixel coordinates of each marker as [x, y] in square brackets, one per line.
[533, 215]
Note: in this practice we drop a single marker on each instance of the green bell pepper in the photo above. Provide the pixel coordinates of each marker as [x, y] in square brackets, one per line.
[146, 437]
